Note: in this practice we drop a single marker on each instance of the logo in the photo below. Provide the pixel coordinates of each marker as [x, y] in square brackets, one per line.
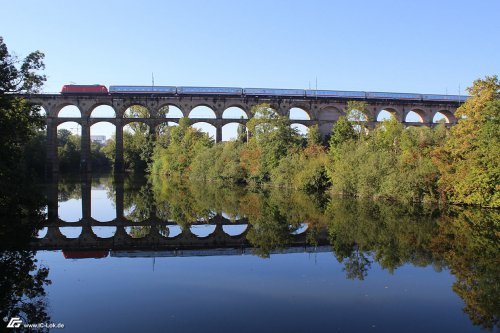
[14, 322]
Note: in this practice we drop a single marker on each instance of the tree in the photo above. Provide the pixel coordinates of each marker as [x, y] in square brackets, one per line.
[19, 122]
[174, 154]
[272, 138]
[469, 162]
[357, 113]
[314, 136]
[342, 132]
[242, 133]
[68, 150]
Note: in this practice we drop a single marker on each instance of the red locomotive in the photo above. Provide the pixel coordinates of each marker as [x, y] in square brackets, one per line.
[84, 89]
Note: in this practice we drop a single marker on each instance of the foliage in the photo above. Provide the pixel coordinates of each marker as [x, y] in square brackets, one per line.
[173, 155]
[392, 163]
[34, 154]
[303, 170]
[22, 289]
[271, 139]
[220, 162]
[468, 241]
[469, 162]
[342, 131]
[357, 114]
[19, 123]
[68, 150]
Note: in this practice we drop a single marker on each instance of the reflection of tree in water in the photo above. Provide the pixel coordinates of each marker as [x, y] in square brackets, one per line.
[464, 239]
[139, 231]
[357, 265]
[22, 281]
[393, 234]
[68, 189]
[22, 292]
[469, 242]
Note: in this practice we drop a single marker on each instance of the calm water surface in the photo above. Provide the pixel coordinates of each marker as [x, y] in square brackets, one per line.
[126, 255]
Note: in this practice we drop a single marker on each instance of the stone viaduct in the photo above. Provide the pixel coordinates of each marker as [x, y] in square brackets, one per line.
[323, 112]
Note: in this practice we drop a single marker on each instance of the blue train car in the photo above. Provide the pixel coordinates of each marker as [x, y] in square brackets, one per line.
[388, 95]
[335, 93]
[444, 98]
[273, 92]
[209, 91]
[142, 90]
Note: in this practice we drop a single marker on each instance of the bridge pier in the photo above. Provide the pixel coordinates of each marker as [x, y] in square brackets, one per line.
[119, 166]
[218, 133]
[85, 157]
[52, 163]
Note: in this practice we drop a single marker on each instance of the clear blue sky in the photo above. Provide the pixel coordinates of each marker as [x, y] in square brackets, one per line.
[407, 46]
[415, 46]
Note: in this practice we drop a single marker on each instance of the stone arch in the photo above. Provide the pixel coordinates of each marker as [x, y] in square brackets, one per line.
[135, 125]
[415, 116]
[162, 127]
[447, 115]
[386, 113]
[134, 111]
[139, 231]
[174, 231]
[68, 111]
[100, 132]
[230, 131]
[329, 113]
[234, 112]
[273, 109]
[234, 230]
[205, 127]
[68, 136]
[129, 132]
[202, 111]
[301, 128]
[69, 203]
[104, 231]
[174, 111]
[71, 232]
[298, 113]
[202, 230]
[102, 111]
[42, 233]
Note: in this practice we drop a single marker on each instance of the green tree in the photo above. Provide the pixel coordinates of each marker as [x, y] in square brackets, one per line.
[391, 163]
[314, 136]
[272, 138]
[469, 162]
[357, 114]
[174, 155]
[342, 131]
[242, 133]
[68, 150]
[19, 122]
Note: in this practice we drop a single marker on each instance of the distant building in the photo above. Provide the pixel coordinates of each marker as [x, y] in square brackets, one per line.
[98, 139]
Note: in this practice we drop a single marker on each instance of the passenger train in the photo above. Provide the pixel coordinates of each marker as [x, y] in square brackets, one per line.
[252, 92]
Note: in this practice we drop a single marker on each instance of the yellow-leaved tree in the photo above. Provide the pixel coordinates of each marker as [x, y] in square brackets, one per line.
[469, 161]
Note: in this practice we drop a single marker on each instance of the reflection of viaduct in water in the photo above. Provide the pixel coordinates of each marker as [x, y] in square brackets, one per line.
[323, 112]
[155, 240]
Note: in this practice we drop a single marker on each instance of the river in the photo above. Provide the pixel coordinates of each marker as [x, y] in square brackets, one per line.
[124, 254]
